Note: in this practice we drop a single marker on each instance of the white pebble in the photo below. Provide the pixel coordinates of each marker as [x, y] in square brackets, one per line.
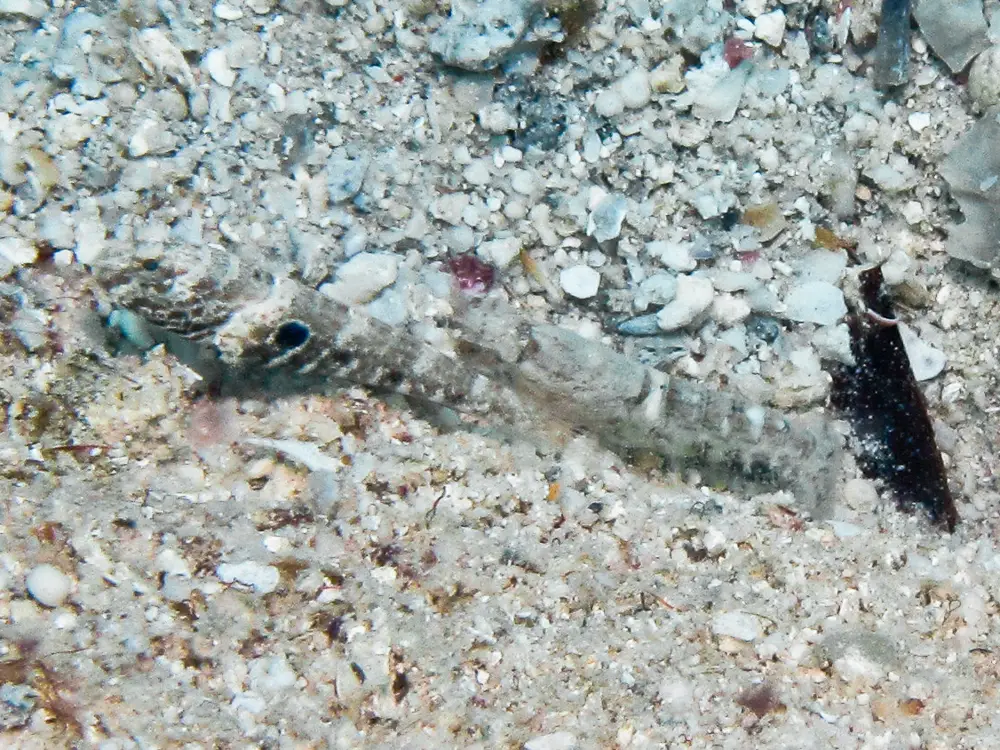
[919, 120]
[694, 296]
[815, 302]
[511, 154]
[48, 585]
[605, 220]
[362, 277]
[554, 741]
[500, 252]
[913, 212]
[635, 89]
[218, 67]
[581, 282]
[18, 251]
[770, 28]
[609, 103]
[271, 674]
[984, 83]
[263, 579]
[477, 172]
[739, 625]
[522, 181]
[674, 255]
[728, 310]
[227, 12]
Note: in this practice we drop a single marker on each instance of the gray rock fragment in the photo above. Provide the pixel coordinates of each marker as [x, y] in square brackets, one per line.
[605, 223]
[345, 176]
[479, 36]
[643, 325]
[984, 83]
[972, 170]
[955, 29]
[892, 53]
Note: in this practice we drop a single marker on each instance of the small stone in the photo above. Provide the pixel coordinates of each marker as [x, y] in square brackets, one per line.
[656, 289]
[739, 625]
[605, 221]
[921, 120]
[522, 181]
[227, 12]
[478, 36]
[158, 54]
[913, 212]
[925, 361]
[497, 119]
[984, 81]
[861, 495]
[345, 177]
[48, 585]
[362, 277]
[770, 28]
[477, 172]
[643, 325]
[609, 103]
[474, 276]
[822, 265]
[728, 310]
[674, 255]
[635, 88]
[895, 268]
[263, 579]
[581, 282]
[694, 296]
[217, 66]
[718, 100]
[668, 76]
[500, 252]
[815, 302]
[18, 251]
[554, 741]
[271, 674]
[56, 228]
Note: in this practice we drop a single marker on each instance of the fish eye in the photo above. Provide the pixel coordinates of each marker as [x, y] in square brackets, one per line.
[291, 335]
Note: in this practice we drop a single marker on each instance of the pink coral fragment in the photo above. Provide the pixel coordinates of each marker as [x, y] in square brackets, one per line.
[736, 51]
[472, 274]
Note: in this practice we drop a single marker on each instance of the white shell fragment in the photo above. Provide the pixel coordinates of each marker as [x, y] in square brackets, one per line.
[739, 625]
[694, 296]
[362, 277]
[925, 361]
[263, 579]
[581, 282]
[48, 585]
[815, 302]
[605, 222]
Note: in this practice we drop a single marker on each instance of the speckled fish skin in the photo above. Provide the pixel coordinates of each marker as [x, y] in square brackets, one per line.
[273, 330]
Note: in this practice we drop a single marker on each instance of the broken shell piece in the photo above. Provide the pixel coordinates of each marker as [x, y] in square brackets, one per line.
[925, 361]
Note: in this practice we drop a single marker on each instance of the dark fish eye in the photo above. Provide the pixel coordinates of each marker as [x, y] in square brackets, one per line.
[291, 335]
[150, 264]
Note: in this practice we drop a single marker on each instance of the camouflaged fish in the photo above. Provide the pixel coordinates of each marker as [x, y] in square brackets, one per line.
[263, 328]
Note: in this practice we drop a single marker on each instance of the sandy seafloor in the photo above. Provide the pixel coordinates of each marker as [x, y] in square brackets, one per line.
[331, 570]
